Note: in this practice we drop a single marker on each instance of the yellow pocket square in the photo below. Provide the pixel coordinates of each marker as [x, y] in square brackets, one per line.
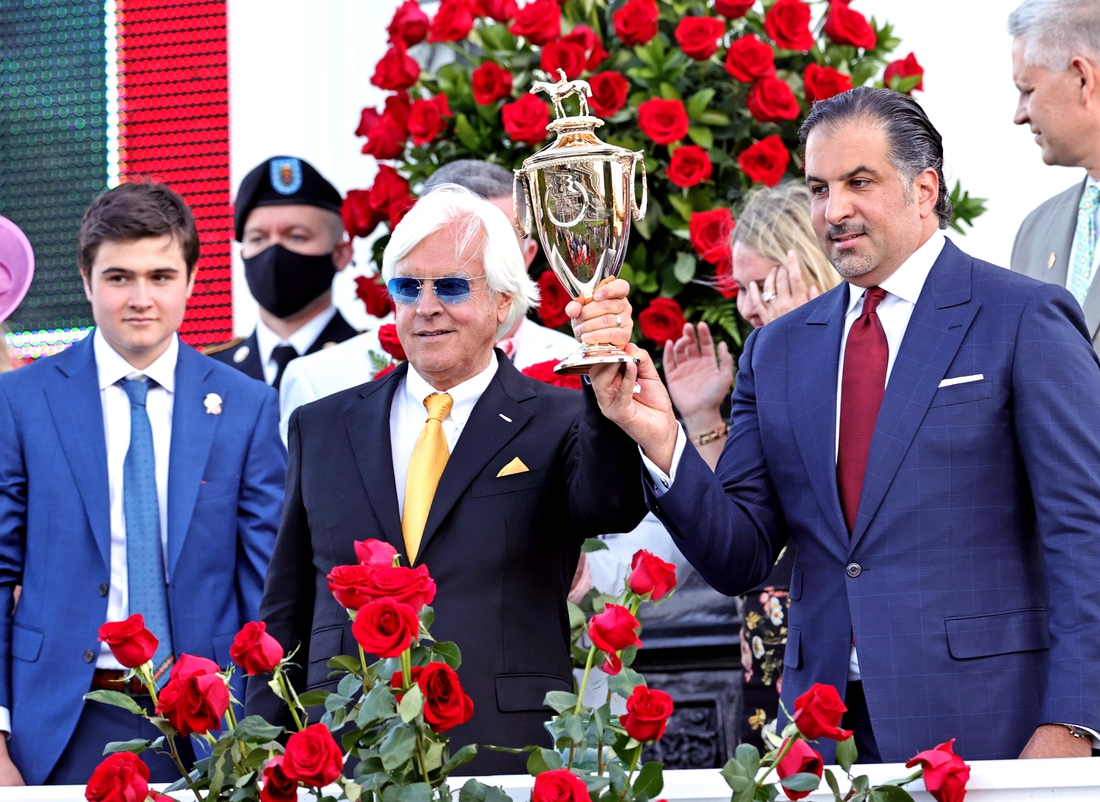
[515, 466]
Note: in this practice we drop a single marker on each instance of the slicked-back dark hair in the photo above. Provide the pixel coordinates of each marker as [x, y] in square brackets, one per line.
[134, 211]
[915, 144]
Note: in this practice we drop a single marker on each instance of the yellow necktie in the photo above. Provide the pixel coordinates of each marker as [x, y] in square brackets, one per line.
[429, 458]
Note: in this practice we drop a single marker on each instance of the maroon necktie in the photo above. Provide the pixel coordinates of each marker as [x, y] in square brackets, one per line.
[862, 388]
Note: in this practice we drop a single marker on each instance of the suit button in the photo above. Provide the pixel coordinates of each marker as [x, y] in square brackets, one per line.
[853, 570]
[103, 588]
[89, 655]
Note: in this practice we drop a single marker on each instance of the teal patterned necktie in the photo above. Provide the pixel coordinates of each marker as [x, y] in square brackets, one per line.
[1084, 238]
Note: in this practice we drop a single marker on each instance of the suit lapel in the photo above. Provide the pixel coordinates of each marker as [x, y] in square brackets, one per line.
[940, 321]
[193, 433]
[497, 417]
[815, 357]
[368, 425]
[78, 414]
[251, 365]
[337, 330]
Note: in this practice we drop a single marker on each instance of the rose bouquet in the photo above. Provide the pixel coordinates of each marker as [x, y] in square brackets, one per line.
[713, 91]
[388, 718]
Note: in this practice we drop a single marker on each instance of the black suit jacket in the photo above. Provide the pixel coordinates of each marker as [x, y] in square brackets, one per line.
[502, 550]
[336, 331]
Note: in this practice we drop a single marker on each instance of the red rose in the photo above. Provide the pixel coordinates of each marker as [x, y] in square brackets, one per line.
[538, 22]
[765, 161]
[647, 714]
[490, 83]
[565, 56]
[390, 342]
[254, 650]
[662, 320]
[121, 777]
[373, 294]
[613, 630]
[553, 300]
[396, 70]
[818, 712]
[904, 68]
[409, 24]
[698, 36]
[544, 372]
[799, 758]
[446, 705]
[277, 786]
[313, 757]
[945, 773]
[649, 573]
[609, 91]
[559, 785]
[824, 82]
[525, 120]
[390, 195]
[130, 642]
[636, 22]
[770, 100]
[733, 9]
[385, 371]
[690, 165]
[358, 213]
[374, 552]
[356, 585]
[351, 585]
[848, 27]
[386, 132]
[453, 21]
[788, 24]
[663, 121]
[195, 698]
[499, 10]
[723, 279]
[589, 40]
[386, 627]
[750, 58]
[427, 120]
[710, 234]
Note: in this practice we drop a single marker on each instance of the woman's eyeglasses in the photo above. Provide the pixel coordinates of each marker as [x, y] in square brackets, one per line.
[449, 289]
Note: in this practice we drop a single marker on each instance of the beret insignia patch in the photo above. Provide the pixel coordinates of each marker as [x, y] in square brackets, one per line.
[286, 175]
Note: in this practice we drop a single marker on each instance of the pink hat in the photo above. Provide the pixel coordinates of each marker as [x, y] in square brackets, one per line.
[16, 266]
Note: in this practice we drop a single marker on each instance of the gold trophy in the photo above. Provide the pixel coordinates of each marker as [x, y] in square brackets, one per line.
[580, 192]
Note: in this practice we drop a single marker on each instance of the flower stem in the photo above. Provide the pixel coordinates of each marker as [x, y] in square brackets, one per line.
[145, 672]
[633, 765]
[782, 754]
[182, 769]
[584, 680]
[423, 760]
[406, 667]
[289, 697]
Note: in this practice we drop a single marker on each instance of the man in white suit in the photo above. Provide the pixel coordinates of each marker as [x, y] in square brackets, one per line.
[355, 361]
[1056, 67]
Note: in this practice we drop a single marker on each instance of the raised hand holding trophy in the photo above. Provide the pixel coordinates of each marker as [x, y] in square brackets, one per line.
[580, 193]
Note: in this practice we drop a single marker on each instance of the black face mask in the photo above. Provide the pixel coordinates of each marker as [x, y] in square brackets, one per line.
[284, 282]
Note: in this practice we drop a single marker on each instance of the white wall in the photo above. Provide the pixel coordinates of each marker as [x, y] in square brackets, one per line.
[300, 73]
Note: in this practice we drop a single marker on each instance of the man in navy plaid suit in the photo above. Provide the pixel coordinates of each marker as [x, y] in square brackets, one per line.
[928, 434]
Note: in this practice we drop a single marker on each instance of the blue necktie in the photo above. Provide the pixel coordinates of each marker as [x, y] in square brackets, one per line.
[144, 556]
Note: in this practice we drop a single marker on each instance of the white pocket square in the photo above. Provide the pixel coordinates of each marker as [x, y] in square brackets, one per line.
[977, 377]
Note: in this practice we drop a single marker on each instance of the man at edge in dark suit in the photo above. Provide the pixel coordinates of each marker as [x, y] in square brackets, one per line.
[927, 434]
[531, 471]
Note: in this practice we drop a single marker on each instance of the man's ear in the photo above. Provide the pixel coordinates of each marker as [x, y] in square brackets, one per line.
[87, 279]
[1085, 72]
[927, 188]
[342, 253]
[530, 250]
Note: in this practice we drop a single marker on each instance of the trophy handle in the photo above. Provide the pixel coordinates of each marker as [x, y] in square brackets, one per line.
[519, 184]
[639, 212]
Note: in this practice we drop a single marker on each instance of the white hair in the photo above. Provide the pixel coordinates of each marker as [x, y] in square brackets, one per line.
[477, 225]
[1054, 32]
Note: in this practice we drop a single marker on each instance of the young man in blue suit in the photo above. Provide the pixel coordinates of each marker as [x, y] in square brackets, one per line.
[928, 434]
[136, 475]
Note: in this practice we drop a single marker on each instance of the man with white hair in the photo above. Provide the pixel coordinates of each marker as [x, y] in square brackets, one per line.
[1056, 67]
[531, 470]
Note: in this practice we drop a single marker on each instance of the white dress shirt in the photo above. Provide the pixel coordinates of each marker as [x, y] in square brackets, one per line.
[301, 340]
[1077, 244]
[408, 416]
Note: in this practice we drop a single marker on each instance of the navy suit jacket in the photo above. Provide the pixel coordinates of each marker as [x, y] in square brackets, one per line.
[225, 493]
[970, 582]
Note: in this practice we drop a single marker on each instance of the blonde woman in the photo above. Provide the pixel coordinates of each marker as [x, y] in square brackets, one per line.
[777, 267]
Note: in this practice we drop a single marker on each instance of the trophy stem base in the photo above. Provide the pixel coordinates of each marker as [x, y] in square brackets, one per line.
[581, 362]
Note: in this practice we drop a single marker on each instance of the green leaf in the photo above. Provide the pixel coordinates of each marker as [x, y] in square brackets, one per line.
[698, 102]
[136, 746]
[748, 756]
[353, 791]
[336, 702]
[313, 698]
[733, 770]
[576, 617]
[682, 206]
[747, 793]
[560, 701]
[427, 617]
[891, 793]
[450, 653]
[861, 784]
[253, 729]
[377, 705]
[574, 727]
[669, 92]
[543, 760]
[472, 791]
[701, 136]
[649, 780]
[465, 132]
[348, 685]
[625, 682]
[433, 755]
[803, 781]
[345, 662]
[417, 792]
[411, 704]
[397, 747]
[833, 786]
[460, 758]
[115, 698]
[494, 794]
[711, 117]
[846, 753]
[593, 544]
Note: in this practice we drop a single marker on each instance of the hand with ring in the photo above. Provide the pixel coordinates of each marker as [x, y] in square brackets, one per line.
[606, 318]
[783, 291]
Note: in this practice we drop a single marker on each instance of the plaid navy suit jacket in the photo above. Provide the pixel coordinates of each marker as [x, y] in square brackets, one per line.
[976, 604]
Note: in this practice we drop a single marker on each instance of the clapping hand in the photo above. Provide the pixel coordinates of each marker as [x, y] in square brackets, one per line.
[786, 289]
[699, 377]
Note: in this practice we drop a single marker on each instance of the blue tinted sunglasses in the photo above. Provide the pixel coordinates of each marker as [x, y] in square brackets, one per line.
[449, 289]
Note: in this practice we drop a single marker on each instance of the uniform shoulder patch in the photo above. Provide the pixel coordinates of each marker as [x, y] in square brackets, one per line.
[217, 349]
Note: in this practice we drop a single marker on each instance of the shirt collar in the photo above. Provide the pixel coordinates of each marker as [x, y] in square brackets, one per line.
[908, 280]
[302, 339]
[1090, 181]
[112, 367]
[463, 396]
